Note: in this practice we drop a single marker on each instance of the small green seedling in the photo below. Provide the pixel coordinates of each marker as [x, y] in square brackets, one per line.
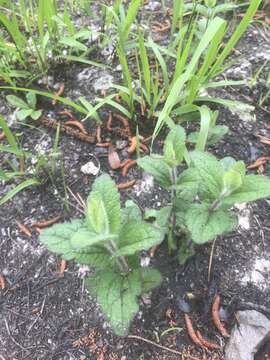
[27, 108]
[109, 239]
[202, 195]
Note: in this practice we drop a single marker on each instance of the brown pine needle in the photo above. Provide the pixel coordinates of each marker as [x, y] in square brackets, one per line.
[24, 229]
[62, 267]
[46, 223]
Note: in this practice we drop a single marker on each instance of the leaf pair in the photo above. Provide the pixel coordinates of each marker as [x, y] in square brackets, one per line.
[160, 167]
[27, 108]
[221, 184]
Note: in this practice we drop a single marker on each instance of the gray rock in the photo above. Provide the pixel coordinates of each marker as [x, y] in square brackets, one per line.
[248, 335]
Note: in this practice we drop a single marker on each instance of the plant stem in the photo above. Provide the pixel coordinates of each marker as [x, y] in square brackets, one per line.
[171, 243]
[121, 261]
[218, 202]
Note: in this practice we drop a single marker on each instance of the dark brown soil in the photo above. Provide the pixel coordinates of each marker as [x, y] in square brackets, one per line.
[47, 315]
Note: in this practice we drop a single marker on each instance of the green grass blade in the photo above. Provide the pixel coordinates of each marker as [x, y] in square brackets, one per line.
[178, 85]
[225, 102]
[204, 128]
[161, 61]
[83, 61]
[241, 28]
[223, 83]
[18, 188]
[145, 67]
[10, 137]
[130, 18]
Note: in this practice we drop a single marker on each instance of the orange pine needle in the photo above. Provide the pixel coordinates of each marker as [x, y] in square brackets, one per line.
[59, 92]
[191, 331]
[46, 223]
[77, 124]
[265, 141]
[66, 113]
[24, 229]
[62, 267]
[261, 169]
[133, 144]
[126, 185]
[209, 345]
[2, 282]
[109, 122]
[127, 166]
[38, 230]
[216, 317]
[98, 134]
[260, 161]
[107, 144]
[125, 122]
[125, 162]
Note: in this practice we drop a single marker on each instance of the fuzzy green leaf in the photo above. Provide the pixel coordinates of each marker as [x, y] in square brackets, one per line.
[104, 190]
[150, 278]
[131, 211]
[94, 256]
[174, 146]
[61, 238]
[137, 236]
[157, 167]
[187, 184]
[232, 181]
[215, 134]
[36, 114]
[57, 238]
[17, 102]
[161, 217]
[97, 214]
[118, 294]
[32, 100]
[24, 113]
[84, 238]
[204, 225]
[210, 173]
[254, 187]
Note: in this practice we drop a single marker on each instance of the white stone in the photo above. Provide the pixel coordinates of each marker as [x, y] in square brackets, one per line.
[90, 169]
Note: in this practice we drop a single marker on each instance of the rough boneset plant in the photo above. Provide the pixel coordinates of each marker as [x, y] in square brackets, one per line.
[202, 196]
[109, 239]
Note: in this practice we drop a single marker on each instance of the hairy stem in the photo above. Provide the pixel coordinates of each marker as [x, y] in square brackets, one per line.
[218, 202]
[121, 261]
